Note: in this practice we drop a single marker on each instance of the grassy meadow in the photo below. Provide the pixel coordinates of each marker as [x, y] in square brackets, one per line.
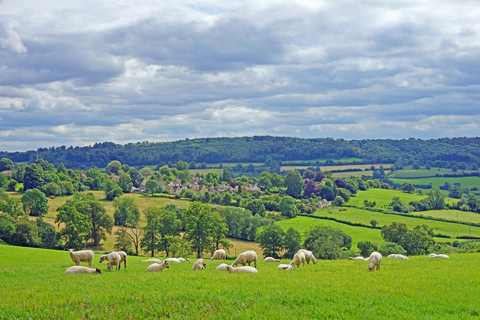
[466, 182]
[382, 197]
[421, 173]
[33, 285]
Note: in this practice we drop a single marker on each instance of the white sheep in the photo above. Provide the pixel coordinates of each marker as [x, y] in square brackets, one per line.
[152, 260]
[199, 265]
[82, 255]
[222, 267]
[219, 254]
[400, 257]
[183, 259]
[172, 260]
[271, 259]
[123, 258]
[80, 269]
[285, 267]
[375, 260]
[392, 255]
[113, 260]
[357, 258]
[158, 267]
[298, 259]
[434, 255]
[246, 258]
[308, 256]
[247, 269]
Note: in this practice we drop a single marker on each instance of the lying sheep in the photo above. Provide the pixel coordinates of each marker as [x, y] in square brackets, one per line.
[82, 255]
[80, 269]
[222, 267]
[356, 258]
[199, 265]
[271, 259]
[392, 255]
[298, 259]
[172, 260]
[183, 259]
[247, 269]
[285, 267]
[375, 260]
[157, 267]
[246, 258]
[152, 260]
[219, 254]
[308, 256]
[434, 255]
[113, 260]
[400, 257]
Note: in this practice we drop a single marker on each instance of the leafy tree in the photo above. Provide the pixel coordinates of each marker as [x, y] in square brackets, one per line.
[136, 177]
[147, 172]
[122, 240]
[293, 240]
[294, 184]
[219, 233]
[308, 174]
[192, 165]
[226, 177]
[125, 210]
[48, 236]
[394, 231]
[319, 176]
[180, 247]
[256, 206]
[67, 188]
[198, 219]
[34, 177]
[6, 164]
[11, 185]
[26, 234]
[7, 227]
[436, 199]
[373, 222]
[287, 207]
[418, 241]
[125, 182]
[327, 193]
[388, 248]
[135, 233]
[399, 206]
[455, 192]
[51, 189]
[264, 182]
[272, 240]
[181, 165]
[100, 221]
[169, 229]
[408, 187]
[61, 169]
[212, 178]
[227, 198]
[151, 236]
[114, 167]
[112, 190]
[35, 203]
[325, 242]
[367, 247]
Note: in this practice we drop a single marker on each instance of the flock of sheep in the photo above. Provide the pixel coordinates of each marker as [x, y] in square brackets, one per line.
[114, 259]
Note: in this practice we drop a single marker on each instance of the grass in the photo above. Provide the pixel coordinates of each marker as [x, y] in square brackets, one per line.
[421, 173]
[466, 182]
[336, 167]
[33, 285]
[382, 197]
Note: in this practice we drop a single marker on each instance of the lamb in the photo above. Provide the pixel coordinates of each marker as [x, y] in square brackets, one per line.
[308, 256]
[222, 267]
[246, 257]
[152, 260]
[375, 260]
[80, 269]
[157, 267]
[400, 257]
[298, 258]
[271, 259]
[434, 255]
[247, 269]
[285, 267]
[83, 255]
[173, 260]
[113, 260]
[219, 254]
[199, 265]
[356, 258]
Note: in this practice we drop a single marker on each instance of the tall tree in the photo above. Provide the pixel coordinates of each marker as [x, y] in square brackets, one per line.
[35, 203]
[199, 220]
[97, 215]
[272, 240]
[151, 235]
[125, 210]
[294, 184]
[76, 226]
[34, 177]
[293, 242]
[6, 164]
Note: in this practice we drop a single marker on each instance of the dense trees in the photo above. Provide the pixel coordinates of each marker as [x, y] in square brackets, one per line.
[327, 242]
[272, 240]
[416, 241]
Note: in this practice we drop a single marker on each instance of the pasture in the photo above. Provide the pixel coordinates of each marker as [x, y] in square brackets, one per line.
[465, 182]
[33, 285]
[382, 197]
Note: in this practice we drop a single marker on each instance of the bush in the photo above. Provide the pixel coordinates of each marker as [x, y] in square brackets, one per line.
[367, 247]
[388, 248]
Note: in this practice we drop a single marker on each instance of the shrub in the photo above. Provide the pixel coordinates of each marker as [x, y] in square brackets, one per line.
[388, 248]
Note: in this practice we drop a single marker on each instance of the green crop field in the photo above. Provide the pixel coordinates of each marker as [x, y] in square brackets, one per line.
[455, 215]
[382, 197]
[33, 286]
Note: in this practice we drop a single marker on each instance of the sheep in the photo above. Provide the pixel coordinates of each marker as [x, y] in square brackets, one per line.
[123, 258]
[222, 267]
[173, 260]
[375, 260]
[219, 254]
[199, 265]
[400, 257]
[308, 256]
[298, 258]
[357, 258]
[152, 260]
[270, 259]
[285, 267]
[80, 269]
[183, 259]
[113, 260]
[157, 267]
[246, 257]
[83, 255]
[391, 255]
[247, 269]
[434, 255]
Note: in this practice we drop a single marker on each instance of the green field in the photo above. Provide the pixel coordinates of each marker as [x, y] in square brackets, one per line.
[466, 182]
[382, 197]
[34, 286]
[421, 173]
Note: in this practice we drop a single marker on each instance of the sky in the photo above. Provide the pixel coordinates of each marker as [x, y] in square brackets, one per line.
[75, 73]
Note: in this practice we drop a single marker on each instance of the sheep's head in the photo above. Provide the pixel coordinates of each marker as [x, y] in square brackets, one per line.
[370, 267]
[104, 257]
[98, 271]
[166, 264]
[70, 251]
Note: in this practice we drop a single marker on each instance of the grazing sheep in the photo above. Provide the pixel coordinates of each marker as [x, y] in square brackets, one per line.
[123, 258]
[356, 258]
[375, 260]
[246, 258]
[199, 265]
[285, 267]
[247, 269]
[157, 267]
[183, 259]
[82, 255]
[298, 259]
[271, 259]
[172, 260]
[434, 255]
[80, 269]
[219, 254]
[308, 256]
[222, 267]
[152, 260]
[113, 260]
[400, 257]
